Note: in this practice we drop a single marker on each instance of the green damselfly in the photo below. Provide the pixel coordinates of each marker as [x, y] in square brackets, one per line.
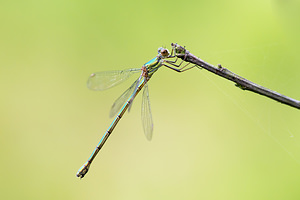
[105, 80]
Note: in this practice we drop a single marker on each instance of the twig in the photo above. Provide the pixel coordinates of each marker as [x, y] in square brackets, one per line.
[241, 82]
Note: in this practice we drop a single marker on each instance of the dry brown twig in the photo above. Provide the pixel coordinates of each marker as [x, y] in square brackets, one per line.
[241, 82]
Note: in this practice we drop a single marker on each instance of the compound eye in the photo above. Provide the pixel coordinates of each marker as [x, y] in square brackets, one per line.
[160, 49]
[164, 52]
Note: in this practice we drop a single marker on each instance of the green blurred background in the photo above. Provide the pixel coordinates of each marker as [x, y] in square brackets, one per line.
[211, 140]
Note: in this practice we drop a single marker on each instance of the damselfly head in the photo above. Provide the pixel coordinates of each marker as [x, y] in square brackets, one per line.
[164, 52]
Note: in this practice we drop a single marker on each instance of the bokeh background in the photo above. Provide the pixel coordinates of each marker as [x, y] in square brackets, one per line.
[211, 140]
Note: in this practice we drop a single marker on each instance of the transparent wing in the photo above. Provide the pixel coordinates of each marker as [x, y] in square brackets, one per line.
[135, 89]
[122, 99]
[146, 113]
[107, 79]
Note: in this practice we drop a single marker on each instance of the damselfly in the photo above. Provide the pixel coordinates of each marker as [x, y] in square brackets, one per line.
[105, 80]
